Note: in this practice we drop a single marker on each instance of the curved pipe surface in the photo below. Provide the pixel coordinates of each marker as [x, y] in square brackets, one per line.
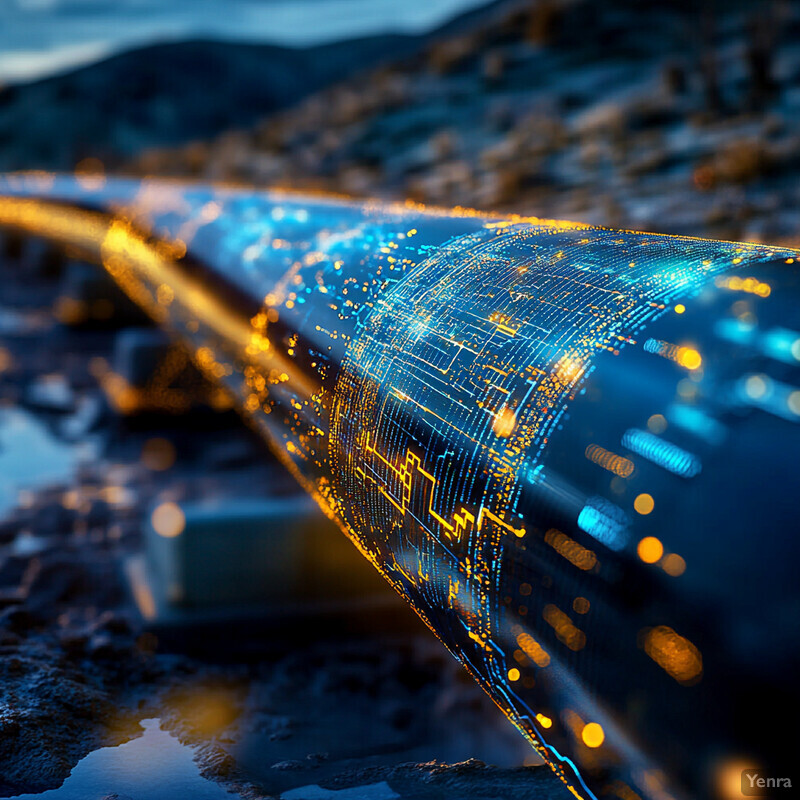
[573, 450]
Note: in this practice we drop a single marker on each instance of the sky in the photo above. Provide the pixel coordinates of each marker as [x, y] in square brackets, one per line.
[41, 37]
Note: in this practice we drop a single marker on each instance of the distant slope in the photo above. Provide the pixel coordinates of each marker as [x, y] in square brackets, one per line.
[614, 112]
[168, 94]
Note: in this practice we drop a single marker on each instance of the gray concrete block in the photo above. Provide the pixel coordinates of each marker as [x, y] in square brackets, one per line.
[276, 550]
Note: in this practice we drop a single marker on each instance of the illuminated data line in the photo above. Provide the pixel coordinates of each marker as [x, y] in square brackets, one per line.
[663, 454]
[411, 465]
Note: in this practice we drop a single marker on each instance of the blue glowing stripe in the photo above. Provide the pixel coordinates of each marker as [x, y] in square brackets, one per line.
[733, 330]
[653, 346]
[664, 454]
[782, 344]
[697, 422]
[605, 522]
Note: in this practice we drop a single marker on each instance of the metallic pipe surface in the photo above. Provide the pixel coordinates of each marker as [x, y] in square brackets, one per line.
[573, 450]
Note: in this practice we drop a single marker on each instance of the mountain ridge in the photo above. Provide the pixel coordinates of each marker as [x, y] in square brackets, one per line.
[170, 93]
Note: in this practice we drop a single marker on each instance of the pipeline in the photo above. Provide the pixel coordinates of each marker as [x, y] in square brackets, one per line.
[573, 450]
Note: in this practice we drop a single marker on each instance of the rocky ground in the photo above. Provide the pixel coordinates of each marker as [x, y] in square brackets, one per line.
[655, 116]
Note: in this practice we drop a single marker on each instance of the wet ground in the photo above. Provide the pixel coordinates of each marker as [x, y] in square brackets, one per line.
[96, 701]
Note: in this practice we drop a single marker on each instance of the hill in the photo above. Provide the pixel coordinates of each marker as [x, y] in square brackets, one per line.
[678, 117]
[168, 94]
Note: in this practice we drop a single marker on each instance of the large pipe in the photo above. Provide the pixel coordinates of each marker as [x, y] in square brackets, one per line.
[573, 450]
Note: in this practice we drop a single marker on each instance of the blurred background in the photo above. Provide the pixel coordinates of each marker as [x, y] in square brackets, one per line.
[120, 624]
[675, 116]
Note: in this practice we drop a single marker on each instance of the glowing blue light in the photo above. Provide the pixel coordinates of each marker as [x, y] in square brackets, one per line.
[782, 344]
[605, 522]
[663, 454]
[736, 331]
[697, 422]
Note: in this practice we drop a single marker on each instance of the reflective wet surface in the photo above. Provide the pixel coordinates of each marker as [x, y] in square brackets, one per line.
[30, 456]
[152, 767]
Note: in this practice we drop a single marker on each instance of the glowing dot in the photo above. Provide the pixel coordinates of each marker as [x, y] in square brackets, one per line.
[164, 294]
[168, 520]
[728, 778]
[796, 349]
[680, 308]
[544, 721]
[580, 605]
[755, 387]
[504, 423]
[158, 454]
[252, 252]
[793, 401]
[674, 653]
[650, 549]
[657, 423]
[513, 674]
[689, 357]
[568, 369]
[593, 735]
[674, 565]
[644, 504]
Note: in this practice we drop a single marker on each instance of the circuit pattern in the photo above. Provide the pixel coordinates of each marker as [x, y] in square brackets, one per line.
[446, 404]
[497, 411]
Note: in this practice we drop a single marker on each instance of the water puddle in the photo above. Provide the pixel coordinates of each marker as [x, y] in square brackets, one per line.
[30, 456]
[374, 791]
[156, 766]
